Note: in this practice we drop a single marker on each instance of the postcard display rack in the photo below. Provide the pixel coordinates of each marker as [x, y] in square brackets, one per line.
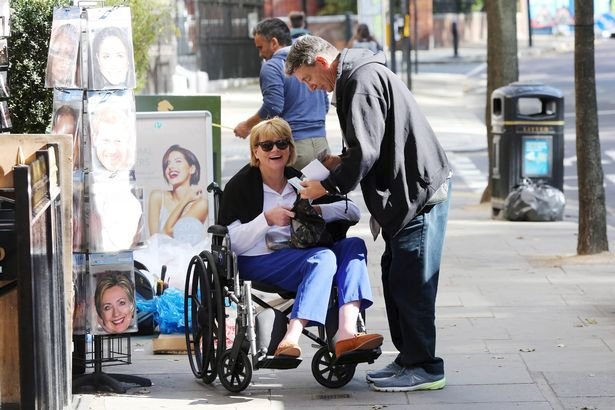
[91, 69]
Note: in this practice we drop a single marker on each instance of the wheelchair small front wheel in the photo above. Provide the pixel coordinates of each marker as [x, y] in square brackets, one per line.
[234, 376]
[328, 375]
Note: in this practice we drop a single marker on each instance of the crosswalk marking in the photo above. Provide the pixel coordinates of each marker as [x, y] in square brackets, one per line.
[465, 169]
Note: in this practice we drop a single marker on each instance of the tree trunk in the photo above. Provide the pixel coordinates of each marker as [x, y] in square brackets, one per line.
[502, 62]
[592, 236]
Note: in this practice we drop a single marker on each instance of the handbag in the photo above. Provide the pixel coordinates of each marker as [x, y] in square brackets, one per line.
[307, 228]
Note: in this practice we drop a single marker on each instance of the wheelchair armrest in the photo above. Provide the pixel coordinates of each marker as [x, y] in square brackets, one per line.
[217, 230]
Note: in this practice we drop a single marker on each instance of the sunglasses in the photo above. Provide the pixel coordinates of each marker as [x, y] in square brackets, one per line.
[268, 145]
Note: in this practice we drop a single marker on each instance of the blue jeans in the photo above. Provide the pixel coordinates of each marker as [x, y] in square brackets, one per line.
[410, 270]
[311, 273]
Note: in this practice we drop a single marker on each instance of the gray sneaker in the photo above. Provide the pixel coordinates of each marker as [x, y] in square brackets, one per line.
[410, 379]
[390, 370]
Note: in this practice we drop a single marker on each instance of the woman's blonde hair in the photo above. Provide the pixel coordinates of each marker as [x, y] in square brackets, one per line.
[273, 129]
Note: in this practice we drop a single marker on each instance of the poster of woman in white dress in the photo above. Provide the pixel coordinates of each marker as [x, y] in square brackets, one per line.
[174, 166]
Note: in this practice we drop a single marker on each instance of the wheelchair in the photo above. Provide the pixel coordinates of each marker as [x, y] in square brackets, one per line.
[212, 284]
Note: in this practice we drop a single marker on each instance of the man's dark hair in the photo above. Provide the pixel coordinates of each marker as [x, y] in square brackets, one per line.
[296, 19]
[274, 27]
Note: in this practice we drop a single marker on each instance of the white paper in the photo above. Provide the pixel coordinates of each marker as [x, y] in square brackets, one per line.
[315, 171]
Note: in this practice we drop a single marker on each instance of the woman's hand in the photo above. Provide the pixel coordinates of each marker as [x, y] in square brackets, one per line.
[279, 216]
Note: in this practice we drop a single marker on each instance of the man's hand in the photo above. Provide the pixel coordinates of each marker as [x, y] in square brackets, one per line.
[242, 130]
[312, 190]
[331, 161]
[279, 216]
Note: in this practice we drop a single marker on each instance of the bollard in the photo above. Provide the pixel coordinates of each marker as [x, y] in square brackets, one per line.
[455, 39]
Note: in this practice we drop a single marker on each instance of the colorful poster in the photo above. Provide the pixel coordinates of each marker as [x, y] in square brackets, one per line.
[537, 156]
[174, 167]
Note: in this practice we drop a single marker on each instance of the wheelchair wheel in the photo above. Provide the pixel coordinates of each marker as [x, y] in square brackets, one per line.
[235, 377]
[204, 317]
[329, 375]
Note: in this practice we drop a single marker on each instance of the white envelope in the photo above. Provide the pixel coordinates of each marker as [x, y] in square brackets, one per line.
[315, 171]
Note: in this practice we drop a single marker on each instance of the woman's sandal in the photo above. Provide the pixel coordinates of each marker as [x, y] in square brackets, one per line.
[288, 349]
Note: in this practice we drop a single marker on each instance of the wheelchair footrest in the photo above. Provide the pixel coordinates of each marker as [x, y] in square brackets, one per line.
[279, 362]
[358, 356]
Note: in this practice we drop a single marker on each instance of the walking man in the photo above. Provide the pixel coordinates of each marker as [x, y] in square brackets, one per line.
[393, 153]
[285, 96]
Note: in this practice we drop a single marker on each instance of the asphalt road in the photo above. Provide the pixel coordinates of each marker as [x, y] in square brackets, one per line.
[556, 70]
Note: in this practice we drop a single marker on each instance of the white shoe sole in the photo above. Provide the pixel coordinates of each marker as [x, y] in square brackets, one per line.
[437, 385]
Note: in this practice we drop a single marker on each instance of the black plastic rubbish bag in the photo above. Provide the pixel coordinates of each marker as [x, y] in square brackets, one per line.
[531, 201]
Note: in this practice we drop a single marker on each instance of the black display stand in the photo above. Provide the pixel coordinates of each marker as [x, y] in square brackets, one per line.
[107, 350]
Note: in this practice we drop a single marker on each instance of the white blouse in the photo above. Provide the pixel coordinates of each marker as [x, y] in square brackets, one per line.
[249, 239]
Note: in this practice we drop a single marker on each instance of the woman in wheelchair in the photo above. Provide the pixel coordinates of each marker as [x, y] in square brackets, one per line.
[256, 207]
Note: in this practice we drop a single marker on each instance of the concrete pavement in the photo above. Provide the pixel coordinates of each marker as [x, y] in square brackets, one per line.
[522, 322]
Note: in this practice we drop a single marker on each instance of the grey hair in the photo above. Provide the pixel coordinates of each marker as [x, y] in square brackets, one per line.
[305, 50]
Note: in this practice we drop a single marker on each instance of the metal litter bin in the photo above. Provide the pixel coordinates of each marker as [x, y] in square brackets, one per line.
[527, 122]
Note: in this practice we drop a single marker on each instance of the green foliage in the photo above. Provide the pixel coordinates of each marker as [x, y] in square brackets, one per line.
[150, 19]
[334, 7]
[30, 102]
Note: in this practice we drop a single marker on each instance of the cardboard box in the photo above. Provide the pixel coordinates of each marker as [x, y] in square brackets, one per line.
[170, 344]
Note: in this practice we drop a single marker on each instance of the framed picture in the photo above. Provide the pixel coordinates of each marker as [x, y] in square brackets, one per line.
[112, 304]
[63, 68]
[174, 166]
[111, 53]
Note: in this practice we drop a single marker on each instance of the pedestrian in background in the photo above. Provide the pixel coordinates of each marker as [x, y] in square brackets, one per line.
[285, 96]
[297, 25]
[405, 178]
[364, 39]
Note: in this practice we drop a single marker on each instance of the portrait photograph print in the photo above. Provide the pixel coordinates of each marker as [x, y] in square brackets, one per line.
[80, 286]
[174, 167]
[115, 216]
[63, 57]
[112, 134]
[112, 307]
[67, 119]
[4, 52]
[111, 53]
[5, 115]
[4, 88]
[5, 11]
